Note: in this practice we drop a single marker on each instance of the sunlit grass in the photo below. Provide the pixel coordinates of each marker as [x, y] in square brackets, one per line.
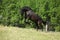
[15, 33]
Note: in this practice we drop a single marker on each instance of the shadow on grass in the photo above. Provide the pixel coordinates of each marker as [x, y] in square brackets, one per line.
[20, 25]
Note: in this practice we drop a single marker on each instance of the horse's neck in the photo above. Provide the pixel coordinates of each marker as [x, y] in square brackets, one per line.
[30, 12]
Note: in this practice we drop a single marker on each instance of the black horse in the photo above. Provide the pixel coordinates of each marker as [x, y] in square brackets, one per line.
[28, 12]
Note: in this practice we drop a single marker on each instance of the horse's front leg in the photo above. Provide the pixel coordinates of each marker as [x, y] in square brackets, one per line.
[25, 19]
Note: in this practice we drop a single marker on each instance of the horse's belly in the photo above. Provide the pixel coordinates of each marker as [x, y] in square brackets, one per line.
[34, 18]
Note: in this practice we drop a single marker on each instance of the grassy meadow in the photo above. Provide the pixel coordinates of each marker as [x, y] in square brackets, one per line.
[15, 33]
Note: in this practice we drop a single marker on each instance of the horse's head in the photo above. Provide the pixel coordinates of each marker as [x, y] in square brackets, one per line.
[25, 9]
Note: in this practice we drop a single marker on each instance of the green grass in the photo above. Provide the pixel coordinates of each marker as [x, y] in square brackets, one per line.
[15, 33]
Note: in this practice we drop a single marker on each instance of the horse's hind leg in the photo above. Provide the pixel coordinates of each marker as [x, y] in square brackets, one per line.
[37, 27]
[41, 27]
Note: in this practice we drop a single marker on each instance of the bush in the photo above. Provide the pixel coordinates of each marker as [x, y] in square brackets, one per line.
[57, 28]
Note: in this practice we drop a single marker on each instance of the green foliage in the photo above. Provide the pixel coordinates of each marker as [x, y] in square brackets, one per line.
[57, 28]
[10, 10]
